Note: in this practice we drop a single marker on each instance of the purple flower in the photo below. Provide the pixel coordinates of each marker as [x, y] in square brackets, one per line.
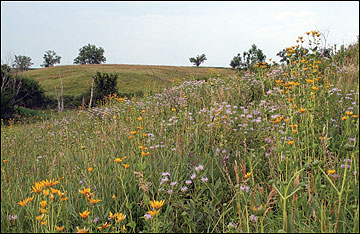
[147, 216]
[169, 191]
[173, 183]
[164, 180]
[188, 182]
[231, 225]
[199, 168]
[267, 154]
[348, 159]
[343, 166]
[165, 174]
[246, 188]
[352, 139]
[253, 218]
[193, 176]
[12, 217]
[96, 220]
[184, 189]
[204, 179]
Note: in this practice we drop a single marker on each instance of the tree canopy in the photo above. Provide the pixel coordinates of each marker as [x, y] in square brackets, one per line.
[89, 54]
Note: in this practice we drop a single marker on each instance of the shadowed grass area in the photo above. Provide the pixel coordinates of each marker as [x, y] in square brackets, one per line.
[132, 78]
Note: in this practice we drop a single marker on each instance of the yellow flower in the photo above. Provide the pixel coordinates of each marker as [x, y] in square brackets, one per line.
[126, 165]
[301, 110]
[90, 169]
[46, 192]
[118, 160]
[22, 203]
[119, 217]
[290, 142]
[85, 191]
[64, 198]
[114, 117]
[139, 128]
[4, 161]
[140, 118]
[43, 204]
[59, 228]
[40, 217]
[53, 191]
[355, 116]
[344, 118]
[153, 213]
[60, 193]
[133, 132]
[330, 171]
[42, 211]
[349, 112]
[156, 204]
[114, 196]
[322, 138]
[84, 214]
[173, 109]
[124, 228]
[44, 222]
[314, 88]
[104, 226]
[293, 125]
[94, 201]
[84, 230]
[145, 154]
[247, 175]
[37, 187]
[49, 183]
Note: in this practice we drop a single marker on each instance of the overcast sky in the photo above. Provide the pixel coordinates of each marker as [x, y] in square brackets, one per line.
[169, 33]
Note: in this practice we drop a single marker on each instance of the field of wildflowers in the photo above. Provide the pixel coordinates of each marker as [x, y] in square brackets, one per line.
[275, 150]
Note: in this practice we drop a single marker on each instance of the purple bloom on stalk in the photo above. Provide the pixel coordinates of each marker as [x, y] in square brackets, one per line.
[184, 189]
[204, 179]
[188, 182]
[165, 174]
[348, 159]
[231, 225]
[96, 220]
[147, 216]
[267, 154]
[352, 139]
[193, 176]
[169, 191]
[253, 218]
[164, 180]
[12, 217]
[343, 166]
[199, 168]
[173, 183]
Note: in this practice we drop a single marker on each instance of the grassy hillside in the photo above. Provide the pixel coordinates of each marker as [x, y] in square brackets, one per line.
[132, 78]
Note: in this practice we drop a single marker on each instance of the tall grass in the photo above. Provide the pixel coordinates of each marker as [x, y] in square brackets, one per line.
[271, 151]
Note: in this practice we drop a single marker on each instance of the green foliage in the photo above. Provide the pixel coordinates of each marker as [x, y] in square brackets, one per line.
[18, 91]
[89, 54]
[104, 85]
[248, 59]
[22, 63]
[50, 58]
[198, 60]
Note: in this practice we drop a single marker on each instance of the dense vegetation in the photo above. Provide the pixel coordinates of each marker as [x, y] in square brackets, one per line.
[274, 150]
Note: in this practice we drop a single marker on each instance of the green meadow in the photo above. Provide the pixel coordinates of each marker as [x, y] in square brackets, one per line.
[271, 150]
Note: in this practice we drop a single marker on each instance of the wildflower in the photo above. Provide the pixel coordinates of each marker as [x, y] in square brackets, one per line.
[84, 214]
[94, 201]
[124, 228]
[147, 216]
[104, 226]
[309, 81]
[156, 204]
[169, 191]
[330, 171]
[96, 220]
[40, 217]
[46, 192]
[53, 191]
[64, 198]
[314, 88]
[247, 175]
[188, 182]
[50, 183]
[253, 218]
[193, 176]
[344, 118]
[133, 132]
[199, 168]
[84, 230]
[204, 179]
[144, 154]
[42, 211]
[85, 191]
[43, 204]
[37, 187]
[90, 169]
[231, 224]
[140, 118]
[44, 222]
[118, 160]
[349, 112]
[119, 217]
[60, 194]
[82, 147]
[153, 213]
[173, 183]
[59, 228]
[165, 174]
[184, 189]
[114, 196]
[173, 109]
[290, 142]
[244, 188]
[126, 165]
[301, 110]
[4, 161]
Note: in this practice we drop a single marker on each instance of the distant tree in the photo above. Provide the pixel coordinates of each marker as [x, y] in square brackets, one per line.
[22, 63]
[89, 54]
[198, 60]
[50, 58]
[249, 58]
